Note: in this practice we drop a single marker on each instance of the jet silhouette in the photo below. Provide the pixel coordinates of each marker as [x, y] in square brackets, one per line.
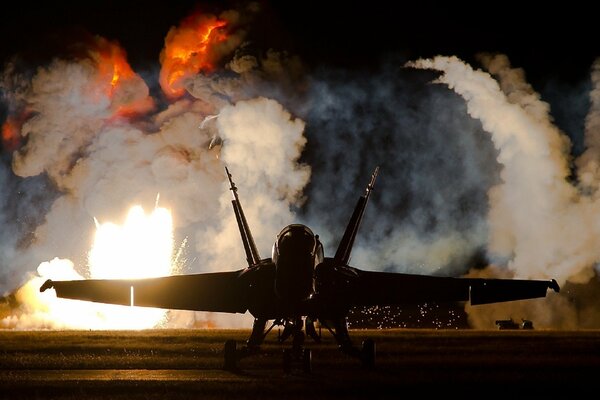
[296, 287]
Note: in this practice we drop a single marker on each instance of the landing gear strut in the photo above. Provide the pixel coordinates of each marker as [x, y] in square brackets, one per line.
[231, 354]
[366, 354]
[297, 355]
[304, 358]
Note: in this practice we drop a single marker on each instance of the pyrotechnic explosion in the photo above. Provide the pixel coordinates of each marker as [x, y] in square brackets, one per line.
[88, 128]
[82, 136]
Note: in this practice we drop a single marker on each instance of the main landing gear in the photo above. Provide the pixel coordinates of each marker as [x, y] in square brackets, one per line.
[231, 354]
[339, 330]
[298, 356]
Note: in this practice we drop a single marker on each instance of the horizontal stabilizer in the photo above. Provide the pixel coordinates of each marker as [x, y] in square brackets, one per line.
[217, 292]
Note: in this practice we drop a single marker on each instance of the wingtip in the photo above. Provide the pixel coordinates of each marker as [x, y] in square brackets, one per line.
[554, 286]
[47, 285]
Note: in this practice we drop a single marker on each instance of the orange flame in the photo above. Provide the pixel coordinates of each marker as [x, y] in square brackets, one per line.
[187, 51]
[115, 74]
[11, 130]
[112, 64]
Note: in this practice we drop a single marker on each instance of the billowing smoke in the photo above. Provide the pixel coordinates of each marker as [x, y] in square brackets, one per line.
[428, 212]
[540, 225]
[93, 135]
[474, 180]
[588, 164]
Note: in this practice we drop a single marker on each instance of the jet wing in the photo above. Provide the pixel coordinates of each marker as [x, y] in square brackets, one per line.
[218, 292]
[366, 288]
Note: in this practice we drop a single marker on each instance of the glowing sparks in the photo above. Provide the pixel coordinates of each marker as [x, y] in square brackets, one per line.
[187, 51]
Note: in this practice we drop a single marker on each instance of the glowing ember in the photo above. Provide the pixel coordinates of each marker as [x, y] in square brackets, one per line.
[11, 130]
[10, 134]
[140, 248]
[187, 51]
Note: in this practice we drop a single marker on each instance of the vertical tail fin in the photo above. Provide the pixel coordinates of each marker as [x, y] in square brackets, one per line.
[342, 255]
[252, 255]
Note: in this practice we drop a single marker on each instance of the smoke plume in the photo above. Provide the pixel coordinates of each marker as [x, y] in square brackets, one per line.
[101, 160]
[538, 220]
[476, 179]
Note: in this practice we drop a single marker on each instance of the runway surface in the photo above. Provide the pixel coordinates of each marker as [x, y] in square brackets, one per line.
[188, 364]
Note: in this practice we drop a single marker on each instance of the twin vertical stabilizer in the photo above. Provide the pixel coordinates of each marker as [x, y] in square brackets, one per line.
[252, 255]
[342, 255]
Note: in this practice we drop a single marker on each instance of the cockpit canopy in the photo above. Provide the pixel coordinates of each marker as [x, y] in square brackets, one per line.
[295, 238]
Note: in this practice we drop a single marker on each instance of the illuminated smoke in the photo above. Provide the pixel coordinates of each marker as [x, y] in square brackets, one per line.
[92, 141]
[101, 161]
[196, 45]
[186, 51]
[588, 164]
[414, 222]
[517, 90]
[540, 226]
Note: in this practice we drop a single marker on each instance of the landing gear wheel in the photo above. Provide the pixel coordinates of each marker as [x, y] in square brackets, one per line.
[307, 361]
[367, 354]
[287, 361]
[229, 355]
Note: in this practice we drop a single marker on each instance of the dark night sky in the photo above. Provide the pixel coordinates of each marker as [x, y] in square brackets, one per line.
[545, 41]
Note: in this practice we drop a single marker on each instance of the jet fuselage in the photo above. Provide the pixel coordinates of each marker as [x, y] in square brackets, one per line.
[296, 253]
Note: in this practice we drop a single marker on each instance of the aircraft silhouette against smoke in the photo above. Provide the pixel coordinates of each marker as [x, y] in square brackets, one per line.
[297, 287]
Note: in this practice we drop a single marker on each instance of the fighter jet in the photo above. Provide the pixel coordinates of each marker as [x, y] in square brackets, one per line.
[297, 287]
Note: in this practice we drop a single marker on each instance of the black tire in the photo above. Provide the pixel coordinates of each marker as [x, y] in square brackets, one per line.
[287, 361]
[307, 361]
[367, 354]
[229, 355]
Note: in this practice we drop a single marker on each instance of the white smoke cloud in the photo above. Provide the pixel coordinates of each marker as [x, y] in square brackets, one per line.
[430, 213]
[51, 143]
[588, 163]
[515, 87]
[104, 163]
[540, 225]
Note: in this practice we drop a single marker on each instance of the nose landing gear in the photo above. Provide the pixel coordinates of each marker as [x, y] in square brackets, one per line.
[298, 355]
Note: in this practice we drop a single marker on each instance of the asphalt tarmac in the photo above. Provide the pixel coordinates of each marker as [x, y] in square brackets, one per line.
[188, 364]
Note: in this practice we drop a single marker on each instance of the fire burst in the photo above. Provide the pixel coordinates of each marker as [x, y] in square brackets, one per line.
[140, 248]
[127, 91]
[187, 51]
[112, 63]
